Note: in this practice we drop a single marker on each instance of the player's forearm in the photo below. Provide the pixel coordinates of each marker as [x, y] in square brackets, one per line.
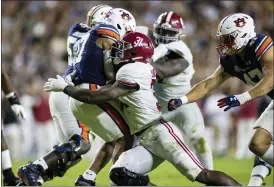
[171, 68]
[6, 83]
[262, 88]
[87, 96]
[198, 92]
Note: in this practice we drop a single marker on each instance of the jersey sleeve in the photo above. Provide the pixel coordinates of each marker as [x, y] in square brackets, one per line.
[125, 77]
[108, 31]
[263, 44]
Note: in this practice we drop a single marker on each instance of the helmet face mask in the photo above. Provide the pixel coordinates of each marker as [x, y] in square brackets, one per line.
[133, 47]
[168, 27]
[226, 44]
[165, 35]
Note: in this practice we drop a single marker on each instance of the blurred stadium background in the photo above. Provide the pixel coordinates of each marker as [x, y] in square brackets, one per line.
[34, 49]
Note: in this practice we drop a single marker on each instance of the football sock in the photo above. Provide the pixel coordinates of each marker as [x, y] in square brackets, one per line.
[89, 175]
[42, 163]
[268, 156]
[258, 175]
[6, 160]
[206, 159]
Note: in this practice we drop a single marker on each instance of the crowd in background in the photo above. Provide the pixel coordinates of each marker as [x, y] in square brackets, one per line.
[34, 37]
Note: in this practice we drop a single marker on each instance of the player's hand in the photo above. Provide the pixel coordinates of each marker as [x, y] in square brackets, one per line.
[19, 110]
[69, 78]
[174, 103]
[55, 85]
[231, 101]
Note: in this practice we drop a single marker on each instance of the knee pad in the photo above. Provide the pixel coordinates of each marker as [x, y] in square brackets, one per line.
[123, 177]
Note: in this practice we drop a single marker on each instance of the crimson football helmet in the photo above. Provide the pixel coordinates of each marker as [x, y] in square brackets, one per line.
[168, 27]
[134, 46]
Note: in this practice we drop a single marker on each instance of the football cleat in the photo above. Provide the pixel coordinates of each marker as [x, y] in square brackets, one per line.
[11, 181]
[30, 174]
[80, 181]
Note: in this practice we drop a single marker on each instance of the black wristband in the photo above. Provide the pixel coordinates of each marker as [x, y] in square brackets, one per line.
[14, 100]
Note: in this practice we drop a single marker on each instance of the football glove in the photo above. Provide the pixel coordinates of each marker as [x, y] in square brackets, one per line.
[55, 85]
[174, 103]
[17, 108]
[233, 101]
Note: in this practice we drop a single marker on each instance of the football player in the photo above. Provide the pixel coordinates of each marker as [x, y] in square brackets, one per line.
[80, 39]
[9, 177]
[249, 57]
[160, 140]
[172, 60]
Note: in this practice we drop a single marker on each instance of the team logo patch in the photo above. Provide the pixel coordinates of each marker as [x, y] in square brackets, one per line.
[240, 22]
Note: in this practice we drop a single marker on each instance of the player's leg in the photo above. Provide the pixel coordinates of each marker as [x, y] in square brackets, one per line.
[189, 119]
[259, 172]
[103, 154]
[8, 175]
[241, 139]
[55, 163]
[261, 142]
[165, 140]
[69, 132]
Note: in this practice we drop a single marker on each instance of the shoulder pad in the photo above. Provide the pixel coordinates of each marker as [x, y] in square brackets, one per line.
[261, 43]
[107, 31]
[78, 27]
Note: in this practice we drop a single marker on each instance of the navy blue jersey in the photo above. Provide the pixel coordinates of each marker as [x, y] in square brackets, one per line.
[75, 33]
[89, 59]
[249, 68]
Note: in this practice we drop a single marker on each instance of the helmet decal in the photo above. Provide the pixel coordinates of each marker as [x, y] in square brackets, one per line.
[240, 22]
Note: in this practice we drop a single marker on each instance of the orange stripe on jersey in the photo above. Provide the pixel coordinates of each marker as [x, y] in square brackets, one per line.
[93, 87]
[108, 33]
[85, 131]
[263, 46]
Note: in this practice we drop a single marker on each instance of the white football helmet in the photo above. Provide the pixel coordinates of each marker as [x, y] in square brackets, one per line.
[234, 33]
[121, 19]
[96, 14]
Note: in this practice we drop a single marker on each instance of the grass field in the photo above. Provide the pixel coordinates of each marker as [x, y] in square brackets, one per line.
[165, 175]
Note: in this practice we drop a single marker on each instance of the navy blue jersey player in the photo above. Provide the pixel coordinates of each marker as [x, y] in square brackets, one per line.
[85, 51]
[249, 57]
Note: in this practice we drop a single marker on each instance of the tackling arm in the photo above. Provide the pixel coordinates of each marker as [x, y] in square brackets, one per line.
[170, 68]
[6, 83]
[266, 83]
[108, 92]
[201, 89]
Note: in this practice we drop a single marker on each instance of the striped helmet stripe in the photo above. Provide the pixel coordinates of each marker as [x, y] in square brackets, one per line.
[169, 16]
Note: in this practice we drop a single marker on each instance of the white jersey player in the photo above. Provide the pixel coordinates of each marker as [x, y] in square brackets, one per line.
[159, 140]
[173, 61]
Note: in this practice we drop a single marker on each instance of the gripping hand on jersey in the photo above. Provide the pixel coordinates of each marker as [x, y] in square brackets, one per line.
[174, 103]
[55, 85]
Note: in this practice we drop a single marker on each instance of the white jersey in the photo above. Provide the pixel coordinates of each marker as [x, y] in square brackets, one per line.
[141, 108]
[177, 85]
